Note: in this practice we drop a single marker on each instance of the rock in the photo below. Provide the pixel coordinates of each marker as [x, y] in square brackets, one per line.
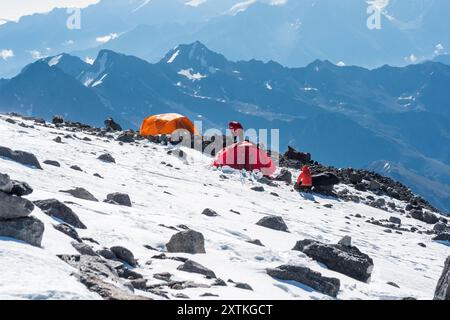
[13, 207]
[58, 139]
[443, 287]
[439, 227]
[395, 220]
[324, 179]
[5, 183]
[258, 189]
[125, 255]
[346, 241]
[445, 236]
[80, 193]
[306, 276]
[273, 222]
[139, 284]
[111, 125]
[121, 199]
[28, 229]
[107, 158]
[76, 168]
[128, 274]
[97, 175]
[59, 210]
[374, 185]
[424, 216]
[355, 178]
[393, 284]
[423, 245]
[302, 157]
[189, 241]
[52, 163]
[9, 120]
[20, 188]
[210, 213]
[346, 260]
[57, 120]
[83, 248]
[194, 267]
[379, 203]
[219, 283]
[22, 157]
[107, 254]
[285, 175]
[68, 230]
[256, 242]
[164, 276]
[125, 138]
[244, 286]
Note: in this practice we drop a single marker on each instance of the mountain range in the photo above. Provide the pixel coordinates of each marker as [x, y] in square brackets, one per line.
[394, 120]
[291, 32]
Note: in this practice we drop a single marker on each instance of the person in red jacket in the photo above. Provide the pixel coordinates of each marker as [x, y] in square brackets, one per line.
[237, 130]
[304, 182]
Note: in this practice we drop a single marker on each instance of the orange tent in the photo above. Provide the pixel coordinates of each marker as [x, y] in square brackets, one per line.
[245, 155]
[166, 124]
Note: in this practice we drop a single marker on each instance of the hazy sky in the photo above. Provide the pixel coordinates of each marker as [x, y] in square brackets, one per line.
[13, 9]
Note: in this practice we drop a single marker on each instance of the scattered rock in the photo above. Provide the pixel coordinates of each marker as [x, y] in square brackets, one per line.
[445, 236]
[29, 230]
[285, 175]
[68, 230]
[52, 163]
[13, 207]
[107, 254]
[83, 248]
[5, 183]
[59, 210]
[395, 220]
[346, 241]
[443, 287]
[244, 286]
[210, 213]
[256, 242]
[20, 188]
[189, 241]
[346, 260]
[164, 276]
[440, 227]
[76, 168]
[194, 267]
[424, 216]
[117, 198]
[22, 157]
[423, 245]
[57, 120]
[139, 284]
[258, 189]
[219, 283]
[313, 279]
[125, 255]
[80, 193]
[58, 139]
[393, 284]
[273, 222]
[106, 157]
[125, 138]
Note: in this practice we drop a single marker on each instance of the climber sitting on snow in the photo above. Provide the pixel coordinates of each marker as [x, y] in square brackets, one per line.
[304, 182]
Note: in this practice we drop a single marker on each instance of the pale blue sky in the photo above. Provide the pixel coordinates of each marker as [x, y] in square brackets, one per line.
[13, 9]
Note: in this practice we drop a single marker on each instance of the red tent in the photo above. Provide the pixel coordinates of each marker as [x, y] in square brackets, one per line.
[245, 155]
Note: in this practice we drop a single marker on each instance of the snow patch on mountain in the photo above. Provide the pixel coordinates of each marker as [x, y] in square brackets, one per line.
[173, 57]
[189, 73]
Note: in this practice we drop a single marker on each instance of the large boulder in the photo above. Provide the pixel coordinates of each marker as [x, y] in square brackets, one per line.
[313, 279]
[443, 287]
[20, 188]
[345, 259]
[424, 216]
[22, 157]
[325, 179]
[124, 254]
[13, 207]
[80, 193]
[29, 230]
[188, 241]
[273, 222]
[194, 267]
[121, 199]
[59, 210]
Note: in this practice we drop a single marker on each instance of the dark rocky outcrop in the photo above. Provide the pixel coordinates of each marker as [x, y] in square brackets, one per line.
[424, 216]
[284, 175]
[69, 231]
[106, 157]
[13, 207]
[22, 157]
[347, 260]
[188, 241]
[443, 287]
[306, 276]
[273, 222]
[111, 125]
[59, 210]
[124, 254]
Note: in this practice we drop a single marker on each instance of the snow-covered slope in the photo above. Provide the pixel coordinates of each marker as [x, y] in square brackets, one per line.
[165, 197]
